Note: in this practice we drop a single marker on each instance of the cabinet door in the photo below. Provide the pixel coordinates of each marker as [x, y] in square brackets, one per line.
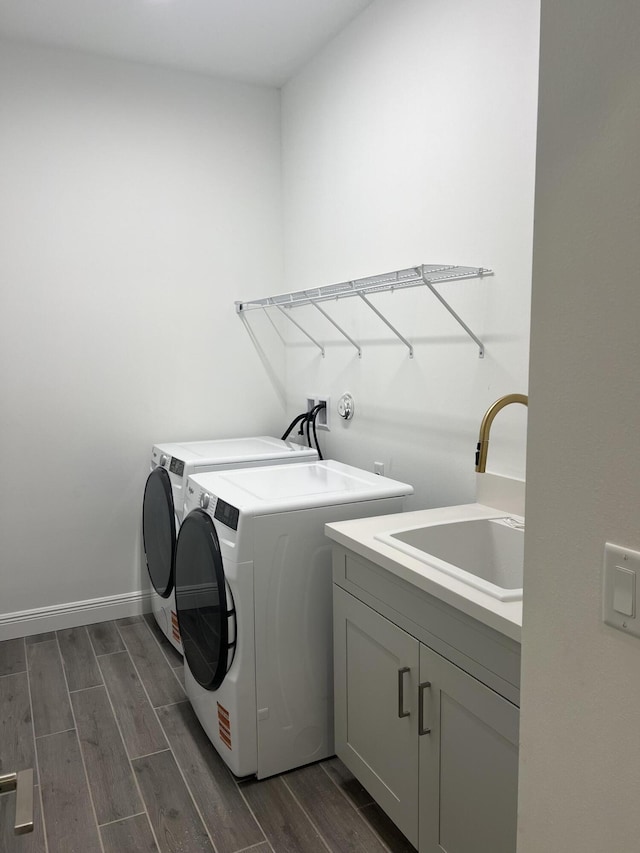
[468, 763]
[376, 670]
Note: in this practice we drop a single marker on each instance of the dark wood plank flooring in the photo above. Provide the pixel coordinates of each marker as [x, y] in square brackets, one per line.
[122, 765]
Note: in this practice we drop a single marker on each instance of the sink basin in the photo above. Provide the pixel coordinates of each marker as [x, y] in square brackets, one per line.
[486, 554]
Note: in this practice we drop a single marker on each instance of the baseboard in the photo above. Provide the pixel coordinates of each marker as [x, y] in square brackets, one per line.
[24, 623]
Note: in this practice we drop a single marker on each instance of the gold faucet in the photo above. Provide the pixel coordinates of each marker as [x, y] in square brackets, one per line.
[485, 426]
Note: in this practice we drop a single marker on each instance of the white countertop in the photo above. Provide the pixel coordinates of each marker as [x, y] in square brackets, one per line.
[359, 536]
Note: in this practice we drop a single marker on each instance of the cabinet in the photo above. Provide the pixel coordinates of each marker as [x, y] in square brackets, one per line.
[434, 745]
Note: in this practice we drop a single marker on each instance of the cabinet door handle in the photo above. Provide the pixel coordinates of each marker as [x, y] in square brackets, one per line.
[22, 783]
[422, 730]
[401, 674]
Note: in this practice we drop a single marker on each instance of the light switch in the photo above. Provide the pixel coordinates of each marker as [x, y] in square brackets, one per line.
[620, 604]
[624, 591]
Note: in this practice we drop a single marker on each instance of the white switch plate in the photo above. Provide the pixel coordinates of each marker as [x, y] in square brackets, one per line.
[621, 588]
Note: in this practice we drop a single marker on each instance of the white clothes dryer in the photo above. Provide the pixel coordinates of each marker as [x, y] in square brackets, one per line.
[254, 600]
[162, 511]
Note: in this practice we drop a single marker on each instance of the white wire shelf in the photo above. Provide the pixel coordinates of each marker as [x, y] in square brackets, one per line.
[424, 275]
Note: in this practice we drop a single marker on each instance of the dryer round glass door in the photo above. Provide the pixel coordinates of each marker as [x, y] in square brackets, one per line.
[206, 614]
[159, 531]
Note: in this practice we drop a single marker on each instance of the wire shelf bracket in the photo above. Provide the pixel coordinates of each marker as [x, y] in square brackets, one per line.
[295, 323]
[384, 320]
[339, 328]
[424, 275]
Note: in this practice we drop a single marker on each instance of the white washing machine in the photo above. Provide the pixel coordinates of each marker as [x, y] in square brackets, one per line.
[253, 592]
[162, 511]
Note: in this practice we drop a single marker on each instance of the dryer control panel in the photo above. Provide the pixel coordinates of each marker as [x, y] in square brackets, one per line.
[227, 514]
[215, 507]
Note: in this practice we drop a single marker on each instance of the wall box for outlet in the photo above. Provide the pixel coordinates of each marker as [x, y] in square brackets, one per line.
[323, 421]
[621, 588]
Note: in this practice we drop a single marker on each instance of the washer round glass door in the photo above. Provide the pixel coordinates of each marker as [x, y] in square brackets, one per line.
[159, 531]
[206, 615]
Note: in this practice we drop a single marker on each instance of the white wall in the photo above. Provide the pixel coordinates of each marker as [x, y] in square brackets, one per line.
[410, 139]
[580, 751]
[135, 205]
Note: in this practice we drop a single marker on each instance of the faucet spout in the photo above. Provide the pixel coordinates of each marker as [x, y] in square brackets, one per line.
[485, 427]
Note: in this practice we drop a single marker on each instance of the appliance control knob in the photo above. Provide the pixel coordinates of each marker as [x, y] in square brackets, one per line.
[204, 500]
[163, 460]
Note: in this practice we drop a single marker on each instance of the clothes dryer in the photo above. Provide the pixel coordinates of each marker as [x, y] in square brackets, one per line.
[171, 464]
[254, 601]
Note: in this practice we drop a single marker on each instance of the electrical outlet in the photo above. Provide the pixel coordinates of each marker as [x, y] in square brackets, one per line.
[323, 421]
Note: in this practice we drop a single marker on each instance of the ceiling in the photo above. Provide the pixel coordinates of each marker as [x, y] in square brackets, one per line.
[256, 41]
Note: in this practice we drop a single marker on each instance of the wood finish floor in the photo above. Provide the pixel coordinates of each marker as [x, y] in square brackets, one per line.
[122, 765]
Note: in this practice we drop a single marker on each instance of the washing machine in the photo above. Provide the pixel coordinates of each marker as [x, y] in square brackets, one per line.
[254, 601]
[162, 511]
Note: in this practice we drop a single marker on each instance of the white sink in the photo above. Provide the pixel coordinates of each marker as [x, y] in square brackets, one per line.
[486, 554]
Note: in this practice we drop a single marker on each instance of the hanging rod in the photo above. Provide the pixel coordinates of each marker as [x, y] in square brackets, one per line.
[423, 275]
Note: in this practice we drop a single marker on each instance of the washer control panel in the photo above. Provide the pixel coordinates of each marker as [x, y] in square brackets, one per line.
[176, 466]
